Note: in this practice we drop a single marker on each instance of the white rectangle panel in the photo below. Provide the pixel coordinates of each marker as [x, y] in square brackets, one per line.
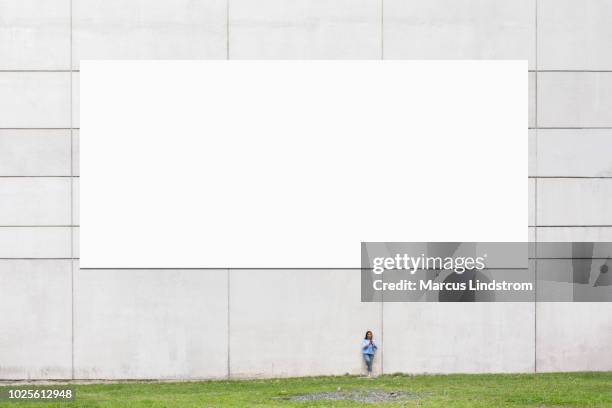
[294, 163]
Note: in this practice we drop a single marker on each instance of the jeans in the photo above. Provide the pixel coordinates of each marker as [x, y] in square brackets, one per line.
[369, 359]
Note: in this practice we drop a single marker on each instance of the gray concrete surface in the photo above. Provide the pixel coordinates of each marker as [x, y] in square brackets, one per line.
[35, 34]
[35, 334]
[34, 152]
[147, 324]
[35, 242]
[575, 202]
[305, 29]
[575, 99]
[288, 323]
[458, 338]
[141, 29]
[562, 153]
[460, 29]
[67, 318]
[34, 99]
[574, 35]
[35, 201]
[573, 337]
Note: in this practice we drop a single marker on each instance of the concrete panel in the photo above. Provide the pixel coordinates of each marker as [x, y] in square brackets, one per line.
[76, 100]
[459, 337]
[36, 332]
[148, 29]
[35, 201]
[167, 324]
[76, 153]
[76, 242]
[532, 120]
[305, 29]
[575, 152]
[34, 34]
[577, 234]
[76, 195]
[464, 29]
[574, 35]
[574, 99]
[35, 242]
[574, 202]
[35, 153]
[298, 323]
[531, 199]
[34, 99]
[532, 151]
[574, 336]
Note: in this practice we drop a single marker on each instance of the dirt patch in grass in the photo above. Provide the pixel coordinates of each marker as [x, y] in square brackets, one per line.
[368, 397]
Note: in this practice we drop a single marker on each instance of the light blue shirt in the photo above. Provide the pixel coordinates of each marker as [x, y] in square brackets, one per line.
[367, 348]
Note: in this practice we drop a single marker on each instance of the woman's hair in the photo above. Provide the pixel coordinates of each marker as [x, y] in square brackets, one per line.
[366, 335]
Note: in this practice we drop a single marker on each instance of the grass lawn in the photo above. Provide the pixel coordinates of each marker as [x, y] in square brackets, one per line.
[526, 390]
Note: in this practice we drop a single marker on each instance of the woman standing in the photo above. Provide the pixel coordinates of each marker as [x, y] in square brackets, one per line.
[368, 349]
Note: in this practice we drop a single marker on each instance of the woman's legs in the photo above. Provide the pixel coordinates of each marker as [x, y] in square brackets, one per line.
[369, 358]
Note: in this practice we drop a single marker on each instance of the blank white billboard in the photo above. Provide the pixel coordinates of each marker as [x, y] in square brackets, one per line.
[292, 164]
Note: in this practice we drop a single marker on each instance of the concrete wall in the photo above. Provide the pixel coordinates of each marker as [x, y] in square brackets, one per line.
[298, 322]
[458, 338]
[150, 324]
[60, 322]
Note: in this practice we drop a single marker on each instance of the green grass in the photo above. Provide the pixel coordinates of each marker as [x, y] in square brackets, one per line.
[542, 390]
